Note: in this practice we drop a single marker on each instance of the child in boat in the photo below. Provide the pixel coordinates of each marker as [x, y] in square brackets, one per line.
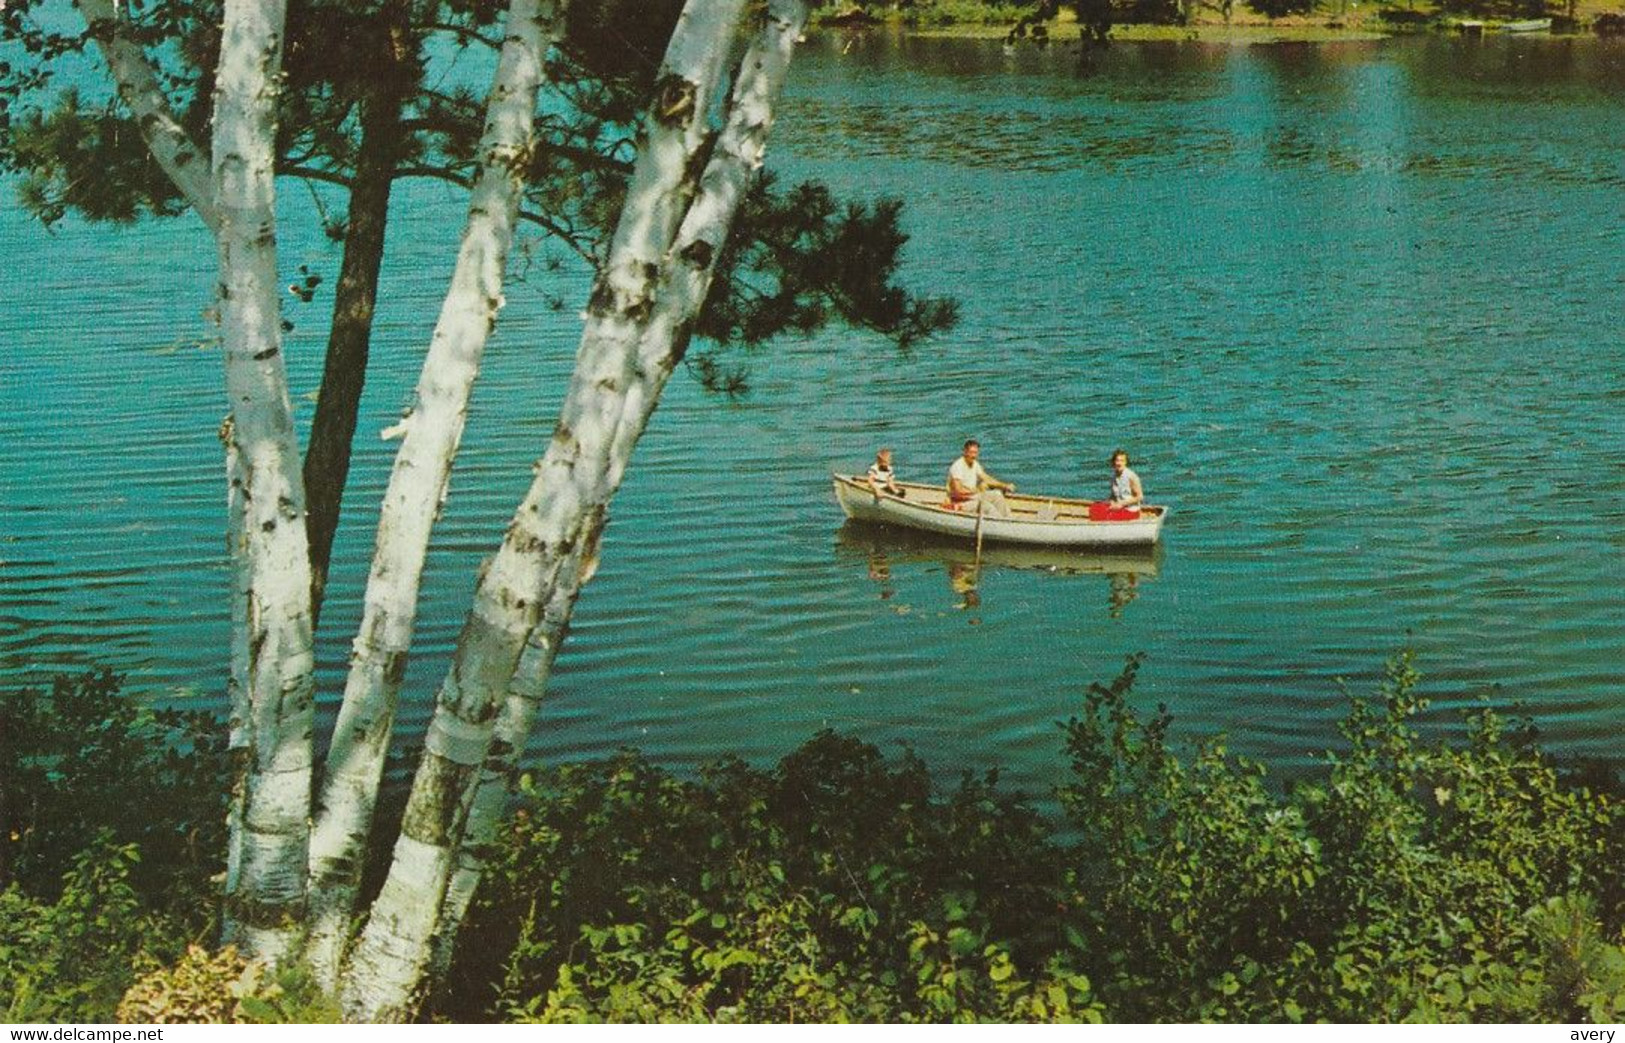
[882, 479]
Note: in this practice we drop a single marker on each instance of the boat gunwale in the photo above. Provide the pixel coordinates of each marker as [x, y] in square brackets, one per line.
[1149, 513]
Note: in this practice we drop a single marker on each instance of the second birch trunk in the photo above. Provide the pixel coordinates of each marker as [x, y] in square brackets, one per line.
[688, 275]
[561, 514]
[430, 433]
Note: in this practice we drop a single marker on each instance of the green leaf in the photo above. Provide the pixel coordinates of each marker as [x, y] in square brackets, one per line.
[259, 1011]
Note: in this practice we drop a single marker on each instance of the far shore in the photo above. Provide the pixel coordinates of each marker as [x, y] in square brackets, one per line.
[1357, 22]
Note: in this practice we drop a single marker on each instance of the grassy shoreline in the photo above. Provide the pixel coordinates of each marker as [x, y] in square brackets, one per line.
[1354, 23]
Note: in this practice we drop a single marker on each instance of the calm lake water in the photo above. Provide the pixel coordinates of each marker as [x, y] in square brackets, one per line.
[1356, 309]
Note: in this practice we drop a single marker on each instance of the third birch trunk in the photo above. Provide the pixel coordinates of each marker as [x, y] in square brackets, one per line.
[180, 158]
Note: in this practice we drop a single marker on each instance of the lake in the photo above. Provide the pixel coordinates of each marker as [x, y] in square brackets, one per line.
[1355, 309]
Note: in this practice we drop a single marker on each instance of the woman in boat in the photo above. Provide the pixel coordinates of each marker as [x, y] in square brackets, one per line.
[882, 479]
[1127, 494]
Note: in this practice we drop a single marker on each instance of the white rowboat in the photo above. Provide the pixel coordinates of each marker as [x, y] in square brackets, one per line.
[1040, 521]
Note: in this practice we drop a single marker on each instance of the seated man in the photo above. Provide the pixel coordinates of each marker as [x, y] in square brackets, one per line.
[971, 488]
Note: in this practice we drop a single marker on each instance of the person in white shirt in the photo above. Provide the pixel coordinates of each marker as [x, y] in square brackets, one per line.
[971, 488]
[1127, 494]
[882, 479]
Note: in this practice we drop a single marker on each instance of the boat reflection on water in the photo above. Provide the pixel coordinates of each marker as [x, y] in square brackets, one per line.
[883, 547]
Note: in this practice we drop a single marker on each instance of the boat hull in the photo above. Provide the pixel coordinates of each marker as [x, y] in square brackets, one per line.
[1037, 521]
[895, 545]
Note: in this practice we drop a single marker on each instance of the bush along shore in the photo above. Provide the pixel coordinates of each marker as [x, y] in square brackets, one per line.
[1469, 880]
[1239, 21]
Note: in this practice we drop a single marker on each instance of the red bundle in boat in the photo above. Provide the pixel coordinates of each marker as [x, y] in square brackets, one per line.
[1101, 510]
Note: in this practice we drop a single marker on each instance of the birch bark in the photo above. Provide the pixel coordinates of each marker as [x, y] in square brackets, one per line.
[237, 679]
[733, 164]
[186, 164]
[417, 485]
[267, 912]
[705, 228]
[560, 515]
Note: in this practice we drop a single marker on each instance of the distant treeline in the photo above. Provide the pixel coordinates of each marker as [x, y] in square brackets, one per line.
[1099, 15]
[1470, 880]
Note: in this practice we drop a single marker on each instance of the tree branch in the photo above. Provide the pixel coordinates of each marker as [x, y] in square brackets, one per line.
[137, 81]
[564, 235]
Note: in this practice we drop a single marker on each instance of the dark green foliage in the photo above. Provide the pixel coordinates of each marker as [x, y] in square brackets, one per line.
[1406, 17]
[1186, 869]
[71, 957]
[1470, 882]
[60, 145]
[1407, 885]
[1095, 20]
[114, 824]
[86, 761]
[756, 887]
[1281, 8]
[1412, 882]
[812, 258]
[1157, 12]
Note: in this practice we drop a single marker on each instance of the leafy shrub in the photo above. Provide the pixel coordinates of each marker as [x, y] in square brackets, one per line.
[1464, 882]
[84, 760]
[1410, 882]
[846, 853]
[1403, 886]
[941, 13]
[1281, 8]
[114, 822]
[224, 988]
[70, 958]
[1406, 17]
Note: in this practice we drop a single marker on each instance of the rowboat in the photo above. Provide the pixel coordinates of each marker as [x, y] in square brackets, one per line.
[1039, 521]
[1532, 25]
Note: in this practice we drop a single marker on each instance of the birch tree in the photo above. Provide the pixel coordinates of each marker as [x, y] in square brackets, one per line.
[272, 843]
[564, 503]
[430, 434]
[686, 278]
[293, 871]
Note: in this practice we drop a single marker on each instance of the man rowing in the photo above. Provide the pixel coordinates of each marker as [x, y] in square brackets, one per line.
[971, 488]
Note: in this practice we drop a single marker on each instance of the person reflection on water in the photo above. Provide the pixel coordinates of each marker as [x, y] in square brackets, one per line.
[972, 489]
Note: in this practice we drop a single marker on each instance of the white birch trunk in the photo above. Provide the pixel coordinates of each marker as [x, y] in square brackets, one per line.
[267, 915]
[727, 177]
[417, 486]
[560, 514]
[510, 733]
[186, 164]
[237, 680]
